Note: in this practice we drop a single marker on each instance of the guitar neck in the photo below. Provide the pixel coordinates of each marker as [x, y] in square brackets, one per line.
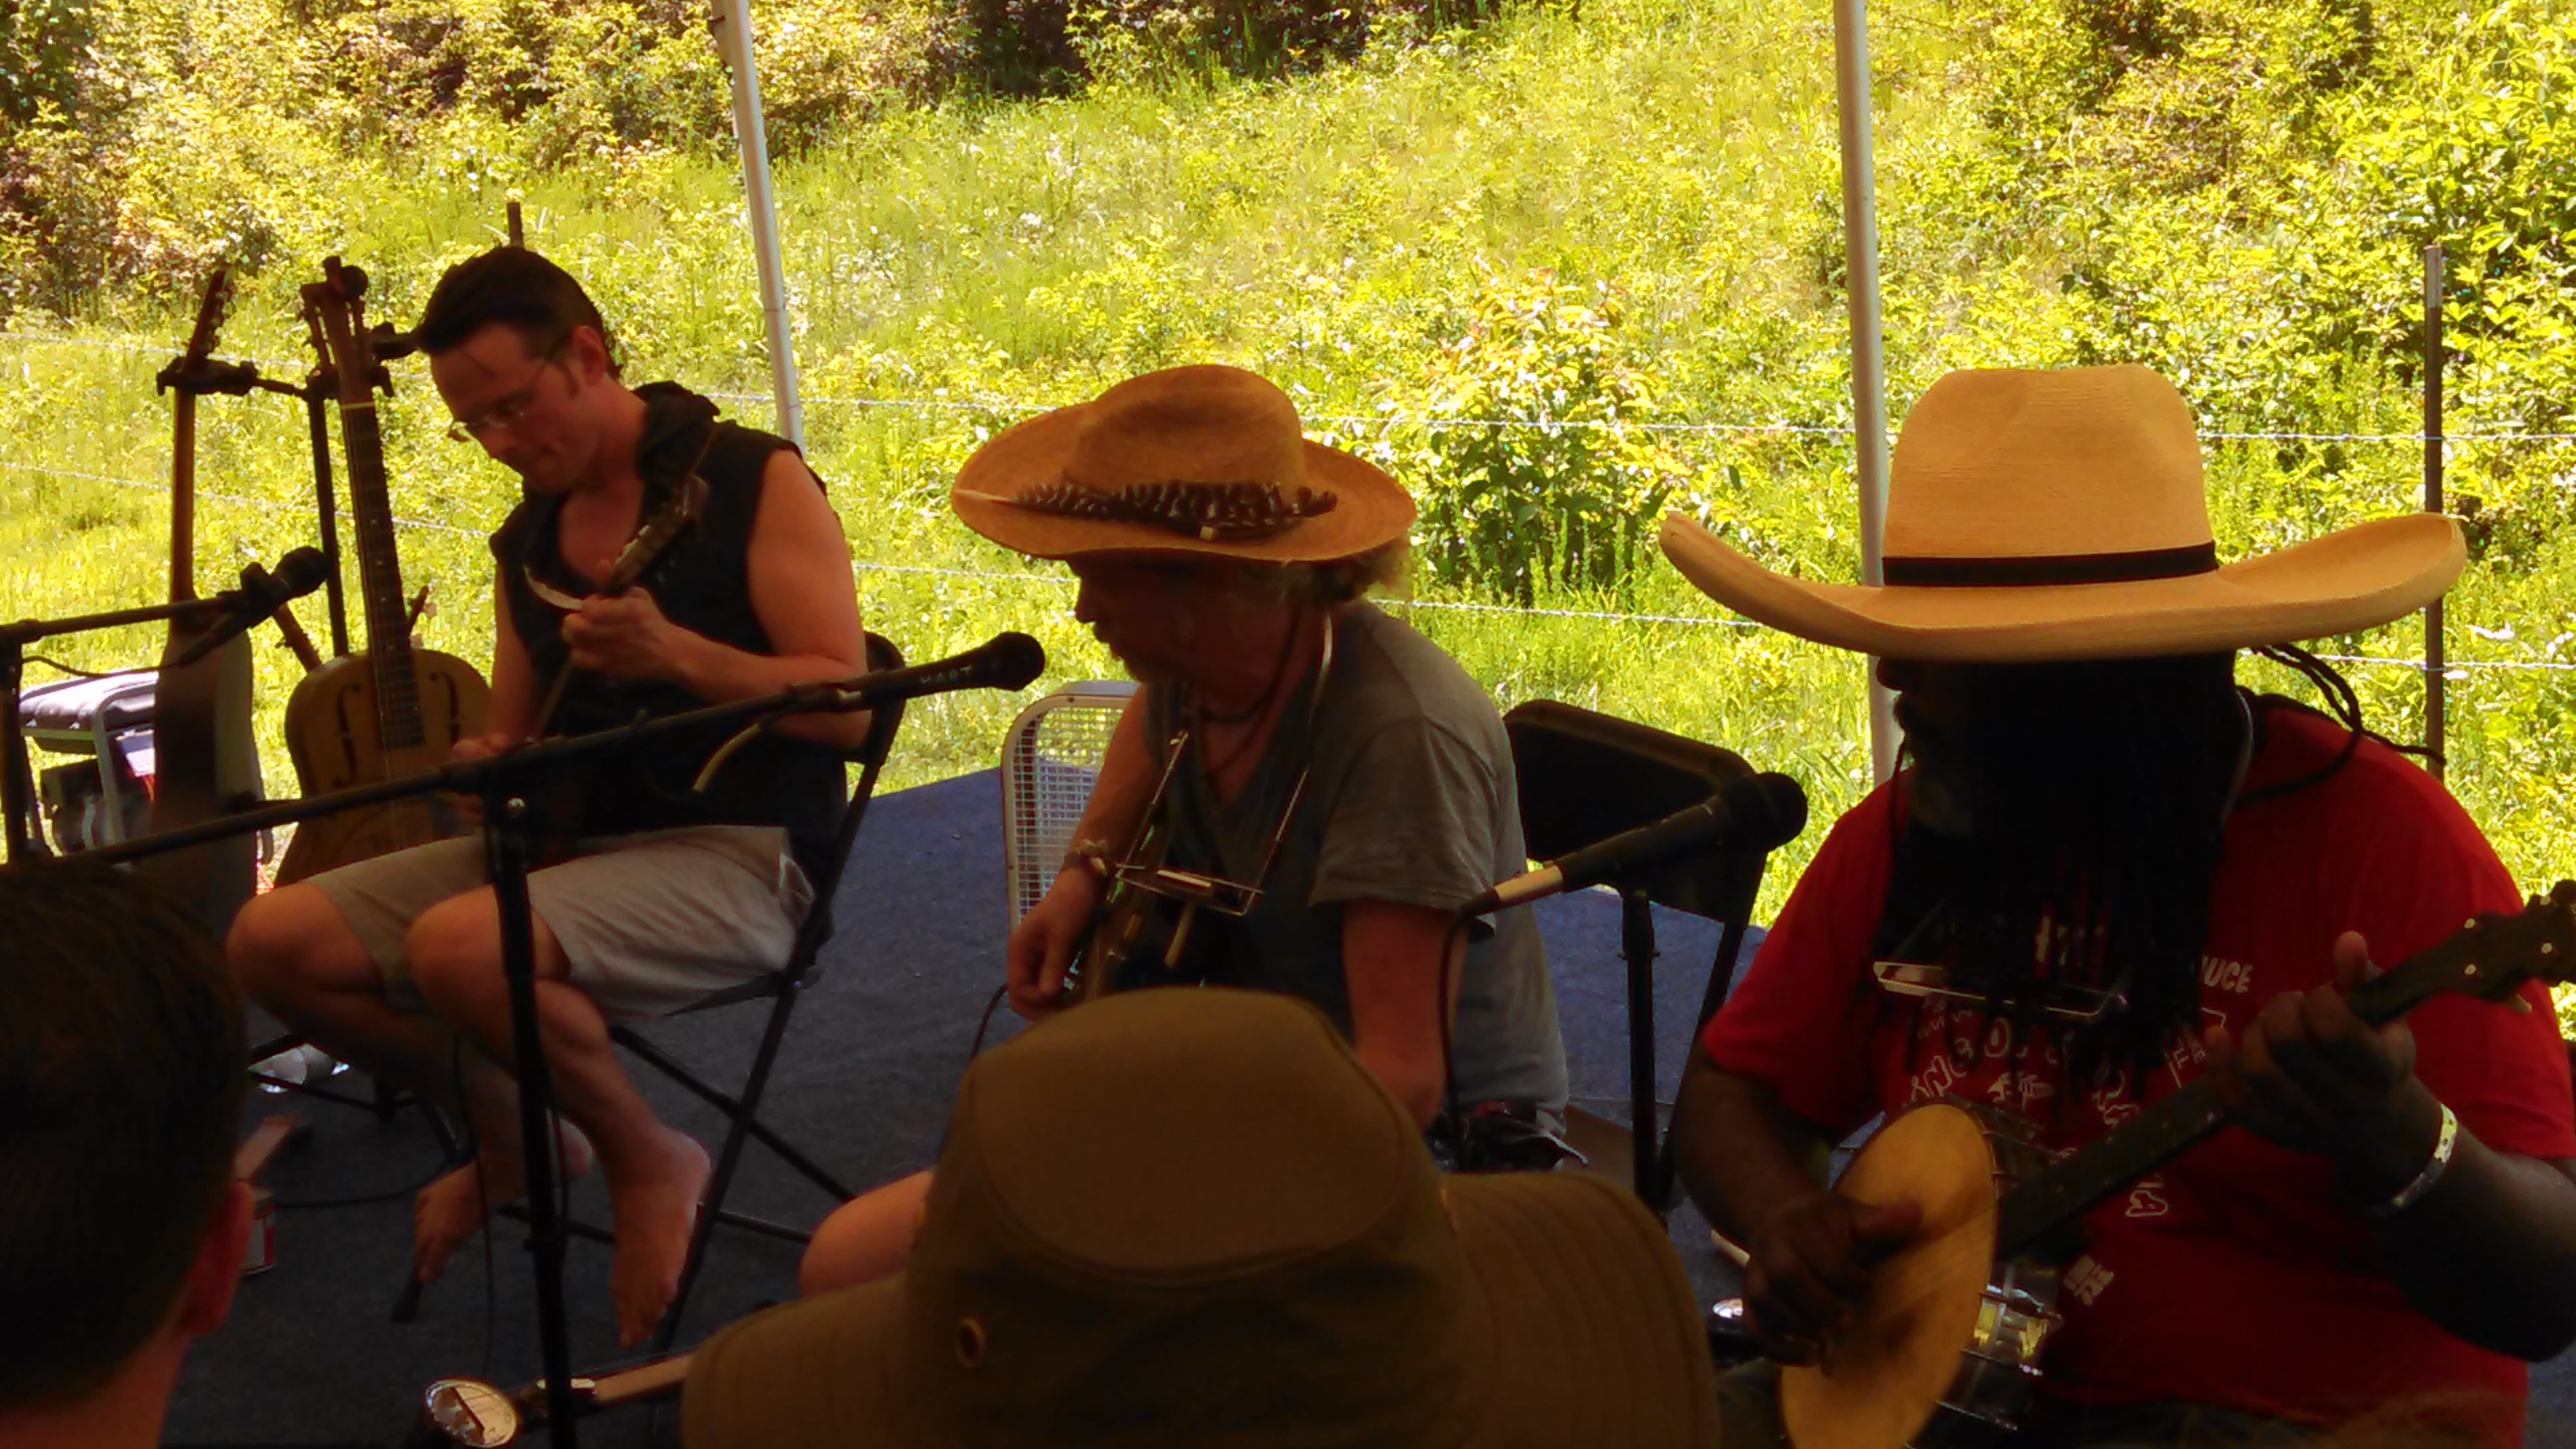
[2160, 1133]
[380, 591]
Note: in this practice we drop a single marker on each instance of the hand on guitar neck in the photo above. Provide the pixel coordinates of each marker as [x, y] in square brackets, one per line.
[2313, 1077]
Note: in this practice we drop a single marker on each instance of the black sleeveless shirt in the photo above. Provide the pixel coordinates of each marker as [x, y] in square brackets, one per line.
[702, 583]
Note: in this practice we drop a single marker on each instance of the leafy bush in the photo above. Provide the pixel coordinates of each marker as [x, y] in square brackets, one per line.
[1536, 475]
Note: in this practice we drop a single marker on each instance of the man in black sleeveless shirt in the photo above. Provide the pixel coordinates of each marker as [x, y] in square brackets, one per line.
[394, 963]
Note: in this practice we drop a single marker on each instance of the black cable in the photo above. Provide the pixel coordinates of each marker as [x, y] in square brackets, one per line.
[77, 673]
[984, 1025]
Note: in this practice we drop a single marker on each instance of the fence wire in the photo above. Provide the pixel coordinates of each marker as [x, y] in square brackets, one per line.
[1010, 407]
[2454, 669]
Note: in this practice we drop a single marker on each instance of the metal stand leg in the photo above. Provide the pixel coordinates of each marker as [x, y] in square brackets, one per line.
[1637, 946]
[17, 784]
[508, 827]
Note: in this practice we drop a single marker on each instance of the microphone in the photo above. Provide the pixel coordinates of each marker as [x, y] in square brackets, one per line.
[261, 594]
[1006, 661]
[1760, 812]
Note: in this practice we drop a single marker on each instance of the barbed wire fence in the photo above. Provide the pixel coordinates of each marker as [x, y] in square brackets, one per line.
[1011, 408]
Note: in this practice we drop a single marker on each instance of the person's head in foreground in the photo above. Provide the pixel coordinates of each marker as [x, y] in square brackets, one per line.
[1193, 1218]
[1192, 509]
[121, 1228]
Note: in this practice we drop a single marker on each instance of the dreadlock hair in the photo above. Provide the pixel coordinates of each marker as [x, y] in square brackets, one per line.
[2094, 794]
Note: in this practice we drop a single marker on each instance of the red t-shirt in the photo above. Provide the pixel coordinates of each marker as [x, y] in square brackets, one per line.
[2234, 1275]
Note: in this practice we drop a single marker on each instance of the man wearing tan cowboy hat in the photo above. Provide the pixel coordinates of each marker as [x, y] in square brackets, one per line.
[2114, 871]
[1325, 784]
[1197, 1218]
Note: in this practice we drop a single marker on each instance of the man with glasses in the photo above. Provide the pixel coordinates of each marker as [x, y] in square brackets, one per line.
[1304, 790]
[664, 893]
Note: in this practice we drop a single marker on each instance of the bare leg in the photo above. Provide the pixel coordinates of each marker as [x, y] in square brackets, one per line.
[866, 1238]
[293, 951]
[655, 1173]
[294, 954]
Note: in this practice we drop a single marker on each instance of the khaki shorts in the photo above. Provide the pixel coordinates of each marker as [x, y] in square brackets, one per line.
[649, 922]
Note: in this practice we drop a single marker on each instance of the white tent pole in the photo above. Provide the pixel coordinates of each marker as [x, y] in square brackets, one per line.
[1869, 356]
[732, 26]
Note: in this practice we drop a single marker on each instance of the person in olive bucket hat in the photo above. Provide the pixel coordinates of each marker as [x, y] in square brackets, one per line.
[1193, 1217]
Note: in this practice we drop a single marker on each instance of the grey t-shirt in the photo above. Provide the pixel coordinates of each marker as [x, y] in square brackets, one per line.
[1410, 800]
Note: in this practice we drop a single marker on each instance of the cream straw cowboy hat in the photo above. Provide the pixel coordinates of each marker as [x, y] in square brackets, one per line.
[1204, 460]
[2060, 515]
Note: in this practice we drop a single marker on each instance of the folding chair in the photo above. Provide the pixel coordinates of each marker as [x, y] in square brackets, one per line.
[780, 988]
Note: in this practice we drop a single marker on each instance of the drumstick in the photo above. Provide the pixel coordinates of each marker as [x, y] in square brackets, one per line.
[1726, 1246]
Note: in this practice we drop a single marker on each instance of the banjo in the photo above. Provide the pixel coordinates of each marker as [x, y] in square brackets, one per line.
[1946, 1348]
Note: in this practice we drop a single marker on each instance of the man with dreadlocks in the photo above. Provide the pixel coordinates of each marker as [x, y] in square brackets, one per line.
[2110, 870]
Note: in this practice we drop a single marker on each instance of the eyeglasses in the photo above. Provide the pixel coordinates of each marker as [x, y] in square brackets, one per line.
[513, 405]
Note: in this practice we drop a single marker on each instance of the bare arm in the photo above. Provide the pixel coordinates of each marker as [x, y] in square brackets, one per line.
[1391, 968]
[802, 591]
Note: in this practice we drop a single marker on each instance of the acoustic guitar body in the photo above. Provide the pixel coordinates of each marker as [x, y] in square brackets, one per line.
[333, 737]
[205, 764]
[1945, 1349]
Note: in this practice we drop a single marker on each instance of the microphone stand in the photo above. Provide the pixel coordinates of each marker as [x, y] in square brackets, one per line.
[510, 830]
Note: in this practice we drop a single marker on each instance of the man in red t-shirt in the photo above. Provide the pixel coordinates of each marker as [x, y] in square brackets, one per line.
[2096, 815]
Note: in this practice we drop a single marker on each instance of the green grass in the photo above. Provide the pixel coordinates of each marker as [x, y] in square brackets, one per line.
[1336, 233]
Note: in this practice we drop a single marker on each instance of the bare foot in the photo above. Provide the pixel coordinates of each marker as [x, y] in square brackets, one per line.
[655, 1204]
[450, 1211]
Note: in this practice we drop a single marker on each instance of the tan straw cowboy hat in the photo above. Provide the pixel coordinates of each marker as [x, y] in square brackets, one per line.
[1205, 460]
[1193, 1218]
[2061, 515]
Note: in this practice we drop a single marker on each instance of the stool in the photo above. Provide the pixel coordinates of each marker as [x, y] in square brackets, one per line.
[107, 717]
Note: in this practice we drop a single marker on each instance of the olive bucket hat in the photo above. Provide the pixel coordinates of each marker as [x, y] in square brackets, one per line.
[1193, 1217]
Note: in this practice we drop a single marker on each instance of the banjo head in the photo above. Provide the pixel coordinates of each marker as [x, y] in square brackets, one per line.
[1879, 1382]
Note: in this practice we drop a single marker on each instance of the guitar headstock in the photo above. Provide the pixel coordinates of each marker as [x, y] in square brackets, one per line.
[211, 307]
[2493, 955]
[335, 313]
[188, 370]
[682, 509]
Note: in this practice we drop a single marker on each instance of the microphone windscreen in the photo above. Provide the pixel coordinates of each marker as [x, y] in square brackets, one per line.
[1016, 659]
[1781, 813]
[301, 572]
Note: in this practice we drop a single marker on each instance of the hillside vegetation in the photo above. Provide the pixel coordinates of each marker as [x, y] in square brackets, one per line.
[1558, 267]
